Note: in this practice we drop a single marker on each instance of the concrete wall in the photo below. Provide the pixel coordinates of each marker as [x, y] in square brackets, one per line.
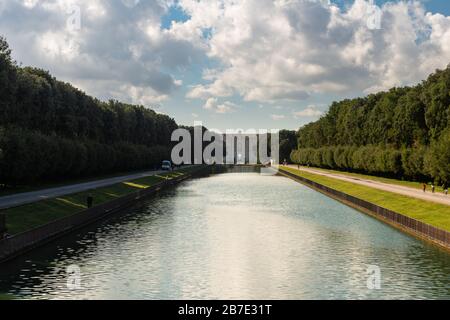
[410, 225]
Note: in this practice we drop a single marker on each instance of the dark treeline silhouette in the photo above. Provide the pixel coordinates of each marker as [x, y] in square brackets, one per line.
[402, 133]
[50, 130]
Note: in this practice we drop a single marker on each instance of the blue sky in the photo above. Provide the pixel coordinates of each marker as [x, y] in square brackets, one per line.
[174, 13]
[218, 62]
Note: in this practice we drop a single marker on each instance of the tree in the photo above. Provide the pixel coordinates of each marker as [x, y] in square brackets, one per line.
[401, 133]
[51, 130]
[288, 142]
[437, 161]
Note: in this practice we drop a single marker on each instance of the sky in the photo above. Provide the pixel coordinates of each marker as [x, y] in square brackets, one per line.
[247, 64]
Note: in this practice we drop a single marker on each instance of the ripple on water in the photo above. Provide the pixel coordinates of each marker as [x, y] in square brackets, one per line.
[235, 236]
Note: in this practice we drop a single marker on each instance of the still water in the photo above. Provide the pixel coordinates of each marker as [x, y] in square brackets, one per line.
[234, 236]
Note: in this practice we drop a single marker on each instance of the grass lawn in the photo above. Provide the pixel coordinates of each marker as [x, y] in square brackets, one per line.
[434, 214]
[404, 183]
[5, 296]
[29, 216]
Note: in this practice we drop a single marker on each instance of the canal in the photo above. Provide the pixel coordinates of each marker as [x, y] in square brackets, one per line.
[233, 236]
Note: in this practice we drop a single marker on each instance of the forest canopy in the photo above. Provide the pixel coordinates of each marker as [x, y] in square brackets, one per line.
[51, 130]
[403, 133]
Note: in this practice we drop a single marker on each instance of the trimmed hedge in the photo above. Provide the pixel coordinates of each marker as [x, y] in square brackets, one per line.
[29, 156]
[423, 163]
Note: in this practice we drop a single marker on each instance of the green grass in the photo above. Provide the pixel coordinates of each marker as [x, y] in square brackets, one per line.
[404, 183]
[435, 214]
[6, 296]
[29, 216]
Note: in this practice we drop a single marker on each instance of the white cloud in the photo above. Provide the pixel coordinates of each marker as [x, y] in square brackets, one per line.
[210, 104]
[217, 89]
[269, 51]
[310, 111]
[119, 50]
[290, 50]
[226, 107]
[213, 105]
[277, 117]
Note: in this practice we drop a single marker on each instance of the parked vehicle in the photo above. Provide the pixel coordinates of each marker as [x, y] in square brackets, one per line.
[167, 165]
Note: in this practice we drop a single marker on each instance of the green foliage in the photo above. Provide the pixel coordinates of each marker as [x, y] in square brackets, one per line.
[28, 156]
[51, 130]
[378, 160]
[288, 142]
[401, 133]
[413, 162]
[437, 161]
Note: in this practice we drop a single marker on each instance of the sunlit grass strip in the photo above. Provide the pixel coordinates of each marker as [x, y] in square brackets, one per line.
[135, 185]
[435, 214]
[29, 216]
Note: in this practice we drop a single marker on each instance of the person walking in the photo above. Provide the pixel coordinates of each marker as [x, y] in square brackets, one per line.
[445, 187]
[3, 229]
[90, 201]
[432, 188]
[424, 185]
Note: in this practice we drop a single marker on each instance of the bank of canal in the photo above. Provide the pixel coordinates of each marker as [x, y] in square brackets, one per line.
[235, 235]
[32, 225]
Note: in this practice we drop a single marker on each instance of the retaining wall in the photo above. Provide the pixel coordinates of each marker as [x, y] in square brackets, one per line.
[23, 242]
[413, 226]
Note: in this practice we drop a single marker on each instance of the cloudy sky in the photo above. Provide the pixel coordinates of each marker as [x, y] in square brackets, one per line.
[231, 63]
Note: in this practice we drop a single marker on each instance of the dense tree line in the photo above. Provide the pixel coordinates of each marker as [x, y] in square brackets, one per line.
[288, 142]
[49, 129]
[404, 132]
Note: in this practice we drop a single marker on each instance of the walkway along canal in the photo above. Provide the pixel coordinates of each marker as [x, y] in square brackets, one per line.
[233, 236]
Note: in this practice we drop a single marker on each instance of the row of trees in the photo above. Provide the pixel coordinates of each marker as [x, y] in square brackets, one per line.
[404, 132]
[411, 163]
[27, 156]
[49, 129]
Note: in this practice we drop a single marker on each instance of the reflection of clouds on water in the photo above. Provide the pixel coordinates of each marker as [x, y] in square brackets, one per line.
[238, 235]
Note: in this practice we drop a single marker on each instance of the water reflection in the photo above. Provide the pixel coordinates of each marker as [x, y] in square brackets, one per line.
[234, 236]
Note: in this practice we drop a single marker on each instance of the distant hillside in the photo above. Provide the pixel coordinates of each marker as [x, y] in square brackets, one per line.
[51, 130]
[404, 132]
